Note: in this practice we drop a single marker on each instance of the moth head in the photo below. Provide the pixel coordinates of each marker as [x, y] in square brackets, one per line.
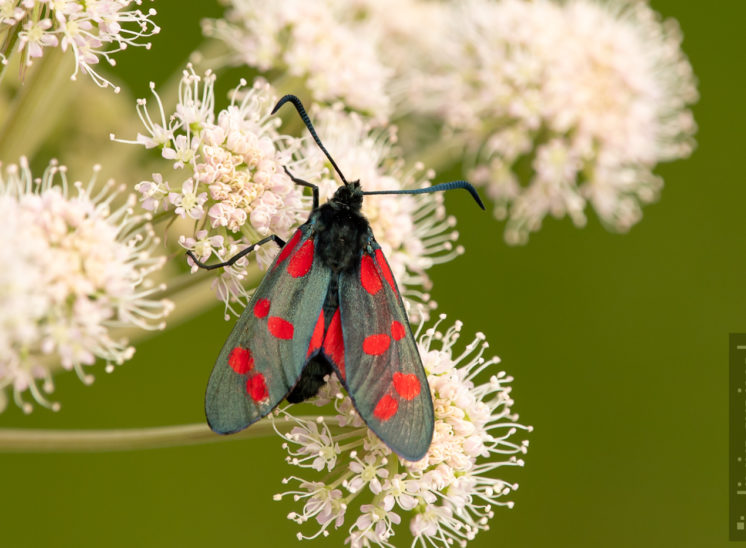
[349, 195]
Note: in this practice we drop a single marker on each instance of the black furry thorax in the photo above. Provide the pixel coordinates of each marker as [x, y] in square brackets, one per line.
[341, 228]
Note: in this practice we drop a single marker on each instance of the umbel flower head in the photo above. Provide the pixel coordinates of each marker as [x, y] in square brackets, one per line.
[234, 189]
[446, 497]
[322, 44]
[229, 171]
[76, 268]
[92, 29]
[563, 104]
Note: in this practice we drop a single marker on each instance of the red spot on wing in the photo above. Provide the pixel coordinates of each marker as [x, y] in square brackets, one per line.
[318, 335]
[368, 276]
[288, 249]
[375, 345]
[385, 408]
[397, 330]
[384, 266]
[282, 329]
[256, 388]
[334, 345]
[241, 360]
[302, 260]
[407, 386]
[261, 308]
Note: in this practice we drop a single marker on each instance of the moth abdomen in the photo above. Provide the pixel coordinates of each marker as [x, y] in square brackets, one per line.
[311, 380]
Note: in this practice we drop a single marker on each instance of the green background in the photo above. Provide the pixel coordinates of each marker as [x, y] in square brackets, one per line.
[618, 344]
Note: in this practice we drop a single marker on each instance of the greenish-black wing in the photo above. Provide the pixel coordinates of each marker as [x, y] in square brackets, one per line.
[265, 353]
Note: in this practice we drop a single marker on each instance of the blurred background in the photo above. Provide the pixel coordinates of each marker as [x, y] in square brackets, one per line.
[618, 346]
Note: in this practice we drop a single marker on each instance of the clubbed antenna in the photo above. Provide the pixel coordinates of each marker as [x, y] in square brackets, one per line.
[437, 188]
[302, 111]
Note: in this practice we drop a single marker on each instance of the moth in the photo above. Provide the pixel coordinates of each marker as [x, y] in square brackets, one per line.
[328, 304]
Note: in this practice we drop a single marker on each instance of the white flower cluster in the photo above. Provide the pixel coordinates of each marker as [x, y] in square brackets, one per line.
[589, 96]
[231, 164]
[559, 103]
[320, 43]
[92, 29]
[75, 268]
[413, 230]
[236, 190]
[448, 496]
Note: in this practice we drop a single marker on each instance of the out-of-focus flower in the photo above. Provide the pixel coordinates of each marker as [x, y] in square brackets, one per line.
[75, 269]
[406, 42]
[414, 231]
[333, 53]
[446, 497]
[562, 103]
[230, 167]
[93, 30]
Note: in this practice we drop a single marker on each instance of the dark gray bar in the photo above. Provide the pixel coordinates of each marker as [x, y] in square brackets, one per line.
[737, 429]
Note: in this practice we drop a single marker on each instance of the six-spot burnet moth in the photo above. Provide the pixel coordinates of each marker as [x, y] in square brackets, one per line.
[328, 304]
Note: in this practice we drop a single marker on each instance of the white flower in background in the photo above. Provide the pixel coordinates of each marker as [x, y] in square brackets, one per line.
[75, 268]
[188, 202]
[93, 30]
[445, 498]
[562, 104]
[154, 194]
[229, 167]
[332, 52]
[10, 12]
[407, 38]
[34, 37]
[413, 230]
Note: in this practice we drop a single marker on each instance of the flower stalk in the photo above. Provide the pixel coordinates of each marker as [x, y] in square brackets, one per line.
[37, 107]
[28, 440]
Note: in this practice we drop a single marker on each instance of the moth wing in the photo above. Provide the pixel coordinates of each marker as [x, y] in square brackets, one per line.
[265, 353]
[382, 371]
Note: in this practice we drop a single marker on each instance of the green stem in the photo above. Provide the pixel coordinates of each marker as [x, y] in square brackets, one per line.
[4, 67]
[38, 106]
[155, 219]
[19, 440]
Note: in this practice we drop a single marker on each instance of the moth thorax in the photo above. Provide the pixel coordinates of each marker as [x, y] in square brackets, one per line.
[342, 235]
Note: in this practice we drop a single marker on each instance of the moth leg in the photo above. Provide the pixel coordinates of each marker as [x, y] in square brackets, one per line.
[301, 182]
[273, 238]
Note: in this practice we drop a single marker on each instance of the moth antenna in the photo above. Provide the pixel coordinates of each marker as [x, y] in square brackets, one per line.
[302, 111]
[437, 188]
